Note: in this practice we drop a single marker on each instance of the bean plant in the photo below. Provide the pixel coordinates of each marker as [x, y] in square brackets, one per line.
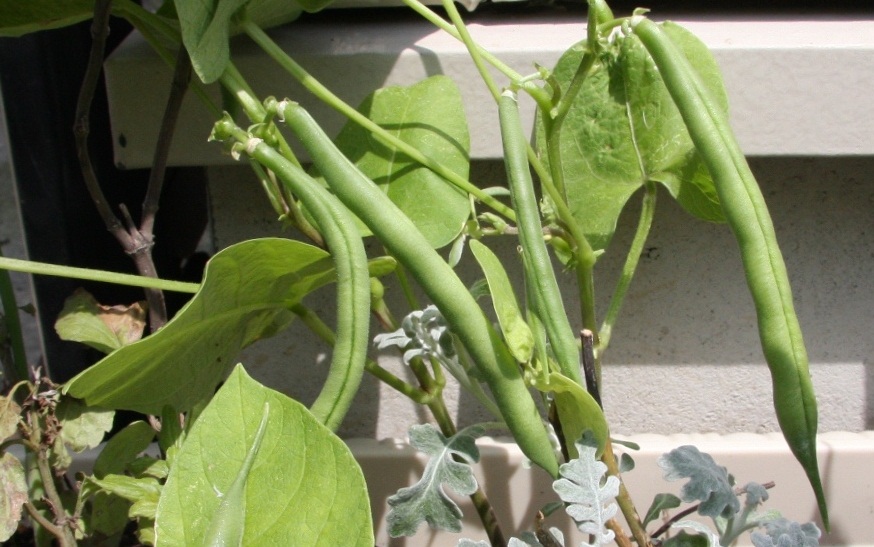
[633, 106]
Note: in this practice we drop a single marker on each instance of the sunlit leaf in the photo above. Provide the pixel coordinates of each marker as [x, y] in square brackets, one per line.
[516, 331]
[430, 116]
[246, 294]
[624, 130]
[303, 486]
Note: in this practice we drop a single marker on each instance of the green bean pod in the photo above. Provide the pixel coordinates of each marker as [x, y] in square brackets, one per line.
[364, 198]
[540, 275]
[748, 217]
[353, 277]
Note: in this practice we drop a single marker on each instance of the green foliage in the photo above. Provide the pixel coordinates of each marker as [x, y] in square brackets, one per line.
[246, 294]
[430, 116]
[83, 427]
[207, 25]
[660, 503]
[426, 500]
[250, 466]
[109, 511]
[301, 485]
[624, 130]
[18, 18]
[588, 494]
[516, 331]
[708, 483]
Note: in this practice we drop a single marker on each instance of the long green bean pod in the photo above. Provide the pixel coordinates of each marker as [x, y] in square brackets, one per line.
[747, 214]
[540, 279]
[353, 277]
[494, 361]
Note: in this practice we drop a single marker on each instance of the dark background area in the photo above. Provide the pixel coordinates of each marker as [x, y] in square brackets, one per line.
[40, 75]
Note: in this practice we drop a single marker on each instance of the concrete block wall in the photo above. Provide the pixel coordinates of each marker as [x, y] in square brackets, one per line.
[685, 355]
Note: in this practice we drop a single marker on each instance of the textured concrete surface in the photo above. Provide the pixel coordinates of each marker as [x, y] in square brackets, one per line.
[685, 355]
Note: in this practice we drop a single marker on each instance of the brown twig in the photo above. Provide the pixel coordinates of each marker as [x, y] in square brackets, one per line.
[689, 510]
[137, 242]
[588, 365]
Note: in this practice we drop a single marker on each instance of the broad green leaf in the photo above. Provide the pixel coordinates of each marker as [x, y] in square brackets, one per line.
[708, 482]
[588, 495]
[302, 488]
[130, 488]
[577, 410]
[104, 328]
[207, 25]
[13, 494]
[426, 501]
[18, 17]
[516, 331]
[660, 503]
[82, 427]
[624, 130]
[430, 116]
[246, 294]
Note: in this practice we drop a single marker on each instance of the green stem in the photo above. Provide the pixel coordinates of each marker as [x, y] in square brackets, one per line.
[102, 276]
[324, 332]
[379, 133]
[647, 212]
[472, 49]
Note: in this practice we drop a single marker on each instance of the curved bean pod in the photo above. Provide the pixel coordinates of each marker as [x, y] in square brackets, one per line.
[353, 277]
[747, 214]
[438, 280]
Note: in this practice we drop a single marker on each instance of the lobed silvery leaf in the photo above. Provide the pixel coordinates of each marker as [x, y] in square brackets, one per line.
[423, 333]
[708, 482]
[529, 539]
[756, 494]
[589, 495]
[426, 500]
[785, 533]
[464, 542]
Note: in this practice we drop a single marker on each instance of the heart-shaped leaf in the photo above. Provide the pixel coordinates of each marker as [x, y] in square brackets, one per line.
[430, 116]
[284, 478]
[624, 130]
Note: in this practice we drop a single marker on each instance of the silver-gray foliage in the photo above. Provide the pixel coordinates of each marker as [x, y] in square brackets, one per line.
[785, 533]
[590, 497]
[708, 483]
[423, 333]
[426, 500]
